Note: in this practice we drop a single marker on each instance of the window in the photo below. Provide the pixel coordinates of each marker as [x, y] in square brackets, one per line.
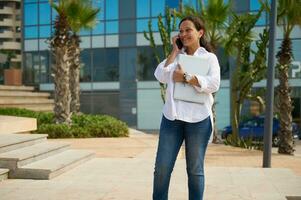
[85, 70]
[172, 3]
[31, 14]
[254, 5]
[99, 4]
[157, 7]
[44, 70]
[146, 63]
[142, 25]
[31, 32]
[105, 63]
[44, 12]
[143, 8]
[112, 9]
[189, 2]
[45, 31]
[99, 28]
[30, 1]
[111, 27]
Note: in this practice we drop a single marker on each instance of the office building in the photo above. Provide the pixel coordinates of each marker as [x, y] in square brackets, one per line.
[118, 63]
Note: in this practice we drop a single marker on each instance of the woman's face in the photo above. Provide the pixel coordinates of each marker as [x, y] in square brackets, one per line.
[189, 35]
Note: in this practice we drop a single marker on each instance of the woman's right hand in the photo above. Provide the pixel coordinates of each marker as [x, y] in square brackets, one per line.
[175, 47]
[175, 51]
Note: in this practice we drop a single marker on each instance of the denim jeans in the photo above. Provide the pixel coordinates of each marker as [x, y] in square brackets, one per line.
[172, 135]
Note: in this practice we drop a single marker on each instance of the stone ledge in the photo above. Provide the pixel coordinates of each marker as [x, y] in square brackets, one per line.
[11, 124]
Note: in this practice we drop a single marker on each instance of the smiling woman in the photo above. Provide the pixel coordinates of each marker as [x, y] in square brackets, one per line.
[184, 120]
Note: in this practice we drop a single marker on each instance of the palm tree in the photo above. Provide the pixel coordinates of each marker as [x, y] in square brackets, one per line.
[289, 15]
[215, 15]
[60, 42]
[80, 15]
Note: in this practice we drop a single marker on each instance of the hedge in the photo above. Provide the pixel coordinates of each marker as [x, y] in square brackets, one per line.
[83, 125]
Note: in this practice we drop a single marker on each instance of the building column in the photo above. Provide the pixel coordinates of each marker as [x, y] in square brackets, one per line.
[127, 62]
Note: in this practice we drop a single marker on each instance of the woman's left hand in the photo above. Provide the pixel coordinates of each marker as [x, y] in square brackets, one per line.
[178, 74]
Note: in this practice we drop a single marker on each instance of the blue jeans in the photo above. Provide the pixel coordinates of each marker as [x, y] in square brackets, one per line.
[172, 134]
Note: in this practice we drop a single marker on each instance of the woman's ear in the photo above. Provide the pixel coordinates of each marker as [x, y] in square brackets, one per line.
[201, 33]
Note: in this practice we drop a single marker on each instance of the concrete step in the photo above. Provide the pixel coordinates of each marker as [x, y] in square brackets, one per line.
[3, 174]
[28, 94]
[34, 107]
[52, 166]
[10, 142]
[19, 88]
[20, 124]
[23, 156]
[20, 101]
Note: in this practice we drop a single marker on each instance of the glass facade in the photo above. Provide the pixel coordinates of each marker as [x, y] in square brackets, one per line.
[115, 51]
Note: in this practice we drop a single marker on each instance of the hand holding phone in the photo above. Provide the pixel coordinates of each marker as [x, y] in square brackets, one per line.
[179, 43]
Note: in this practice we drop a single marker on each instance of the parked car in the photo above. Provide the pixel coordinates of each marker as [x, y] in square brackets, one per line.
[254, 128]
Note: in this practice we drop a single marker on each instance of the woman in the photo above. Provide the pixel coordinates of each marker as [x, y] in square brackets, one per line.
[184, 120]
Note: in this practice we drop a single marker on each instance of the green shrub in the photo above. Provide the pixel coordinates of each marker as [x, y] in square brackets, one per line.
[83, 125]
[55, 130]
[42, 117]
[246, 143]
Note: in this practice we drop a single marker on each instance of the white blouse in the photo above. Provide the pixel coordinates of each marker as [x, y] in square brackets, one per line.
[186, 111]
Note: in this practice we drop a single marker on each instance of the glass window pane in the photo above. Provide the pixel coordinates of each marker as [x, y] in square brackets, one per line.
[105, 64]
[143, 8]
[155, 24]
[157, 7]
[112, 27]
[262, 20]
[99, 28]
[31, 32]
[254, 5]
[54, 14]
[31, 1]
[172, 3]
[99, 4]
[44, 73]
[85, 70]
[146, 63]
[112, 64]
[85, 32]
[31, 45]
[45, 13]
[28, 73]
[36, 68]
[97, 41]
[189, 2]
[240, 6]
[31, 14]
[45, 31]
[142, 25]
[112, 9]
[85, 42]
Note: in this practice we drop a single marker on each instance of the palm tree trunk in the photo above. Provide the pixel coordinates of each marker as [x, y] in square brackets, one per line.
[61, 82]
[60, 47]
[74, 75]
[285, 102]
[215, 130]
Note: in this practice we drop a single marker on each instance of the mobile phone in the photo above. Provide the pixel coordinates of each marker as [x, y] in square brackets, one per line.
[179, 43]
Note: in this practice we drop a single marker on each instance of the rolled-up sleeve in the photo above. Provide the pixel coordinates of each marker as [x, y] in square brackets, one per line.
[211, 82]
[162, 73]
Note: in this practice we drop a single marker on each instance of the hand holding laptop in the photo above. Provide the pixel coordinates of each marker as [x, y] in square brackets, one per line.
[189, 66]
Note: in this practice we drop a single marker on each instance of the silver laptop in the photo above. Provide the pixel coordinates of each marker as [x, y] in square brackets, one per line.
[192, 65]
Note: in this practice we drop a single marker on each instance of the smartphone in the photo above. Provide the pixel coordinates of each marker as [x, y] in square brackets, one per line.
[179, 43]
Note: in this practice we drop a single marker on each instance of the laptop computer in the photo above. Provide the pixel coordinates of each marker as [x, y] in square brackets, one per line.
[192, 65]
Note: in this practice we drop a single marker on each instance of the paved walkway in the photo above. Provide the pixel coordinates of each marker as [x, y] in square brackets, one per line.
[123, 170]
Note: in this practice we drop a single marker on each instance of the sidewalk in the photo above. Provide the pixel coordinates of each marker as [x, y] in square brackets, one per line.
[123, 170]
